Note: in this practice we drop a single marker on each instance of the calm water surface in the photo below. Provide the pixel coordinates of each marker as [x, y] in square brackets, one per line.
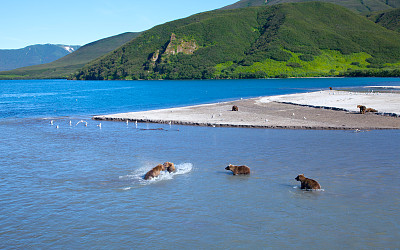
[81, 187]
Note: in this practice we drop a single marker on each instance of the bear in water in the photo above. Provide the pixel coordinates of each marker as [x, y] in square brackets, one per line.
[169, 166]
[307, 183]
[238, 169]
[235, 108]
[154, 172]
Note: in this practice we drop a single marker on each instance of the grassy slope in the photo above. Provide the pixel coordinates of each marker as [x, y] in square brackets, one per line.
[355, 5]
[331, 29]
[67, 65]
[389, 19]
[303, 39]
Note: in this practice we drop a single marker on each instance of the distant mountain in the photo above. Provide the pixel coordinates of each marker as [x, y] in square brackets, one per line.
[284, 40]
[389, 19]
[359, 6]
[68, 64]
[33, 55]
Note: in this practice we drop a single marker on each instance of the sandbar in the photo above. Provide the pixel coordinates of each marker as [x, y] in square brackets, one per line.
[327, 109]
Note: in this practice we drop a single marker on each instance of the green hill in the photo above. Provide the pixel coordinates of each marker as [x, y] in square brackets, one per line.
[295, 40]
[389, 19]
[70, 63]
[33, 55]
[359, 6]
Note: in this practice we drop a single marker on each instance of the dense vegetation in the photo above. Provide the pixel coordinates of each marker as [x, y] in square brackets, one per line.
[70, 63]
[32, 55]
[389, 19]
[286, 40]
[358, 6]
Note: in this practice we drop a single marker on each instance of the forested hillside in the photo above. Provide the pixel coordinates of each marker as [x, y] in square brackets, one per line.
[285, 40]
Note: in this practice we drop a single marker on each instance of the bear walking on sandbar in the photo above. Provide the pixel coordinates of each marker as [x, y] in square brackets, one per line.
[362, 109]
[307, 183]
[371, 110]
[238, 169]
[154, 172]
[169, 166]
[235, 108]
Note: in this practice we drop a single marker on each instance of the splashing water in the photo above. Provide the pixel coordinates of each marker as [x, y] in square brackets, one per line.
[137, 175]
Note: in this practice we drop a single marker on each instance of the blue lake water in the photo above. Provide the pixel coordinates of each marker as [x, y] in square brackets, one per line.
[81, 187]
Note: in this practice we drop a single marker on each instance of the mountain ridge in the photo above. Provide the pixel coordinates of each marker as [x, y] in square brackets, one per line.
[68, 64]
[252, 42]
[33, 55]
[355, 5]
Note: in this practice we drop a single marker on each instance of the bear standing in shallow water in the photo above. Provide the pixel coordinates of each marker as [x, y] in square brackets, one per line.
[169, 166]
[238, 169]
[154, 172]
[307, 183]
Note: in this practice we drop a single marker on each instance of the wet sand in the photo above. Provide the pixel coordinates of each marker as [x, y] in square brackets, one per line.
[315, 110]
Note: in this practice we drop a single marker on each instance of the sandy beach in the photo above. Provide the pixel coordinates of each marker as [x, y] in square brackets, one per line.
[328, 109]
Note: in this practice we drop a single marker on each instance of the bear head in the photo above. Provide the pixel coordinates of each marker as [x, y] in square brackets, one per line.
[229, 167]
[300, 177]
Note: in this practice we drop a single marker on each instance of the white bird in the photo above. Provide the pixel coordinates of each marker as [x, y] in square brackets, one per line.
[127, 122]
[212, 116]
[304, 118]
[51, 122]
[293, 114]
[99, 125]
[70, 123]
[82, 121]
[266, 120]
[57, 127]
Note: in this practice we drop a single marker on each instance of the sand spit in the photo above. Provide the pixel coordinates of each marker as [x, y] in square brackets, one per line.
[315, 110]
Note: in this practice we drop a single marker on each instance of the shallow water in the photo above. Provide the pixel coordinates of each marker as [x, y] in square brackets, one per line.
[82, 187]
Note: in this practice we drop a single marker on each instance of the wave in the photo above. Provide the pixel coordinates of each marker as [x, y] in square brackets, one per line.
[138, 175]
[315, 190]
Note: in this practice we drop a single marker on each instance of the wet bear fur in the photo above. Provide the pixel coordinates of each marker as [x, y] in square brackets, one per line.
[154, 172]
[235, 108]
[169, 166]
[238, 169]
[307, 183]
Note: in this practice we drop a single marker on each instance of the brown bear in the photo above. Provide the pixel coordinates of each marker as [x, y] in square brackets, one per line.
[169, 166]
[154, 172]
[362, 109]
[371, 110]
[238, 169]
[307, 183]
[235, 108]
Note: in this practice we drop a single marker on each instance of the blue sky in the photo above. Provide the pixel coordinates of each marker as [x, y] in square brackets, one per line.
[78, 22]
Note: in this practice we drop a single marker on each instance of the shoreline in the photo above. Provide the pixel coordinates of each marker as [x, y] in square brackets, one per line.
[321, 110]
